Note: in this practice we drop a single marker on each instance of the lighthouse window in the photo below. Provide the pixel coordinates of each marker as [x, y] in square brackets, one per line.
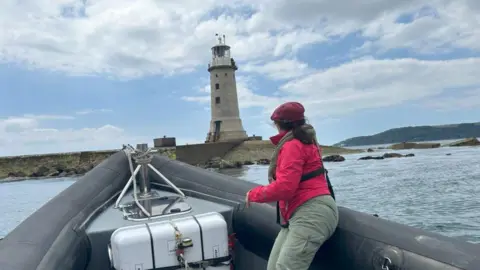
[216, 75]
[217, 100]
[217, 86]
[226, 74]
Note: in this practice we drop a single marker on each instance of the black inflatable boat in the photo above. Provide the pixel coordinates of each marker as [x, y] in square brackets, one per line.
[180, 216]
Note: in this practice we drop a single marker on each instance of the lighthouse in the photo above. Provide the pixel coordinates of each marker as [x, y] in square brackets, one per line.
[225, 123]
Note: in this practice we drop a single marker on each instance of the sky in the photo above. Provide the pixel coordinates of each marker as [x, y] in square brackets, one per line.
[95, 74]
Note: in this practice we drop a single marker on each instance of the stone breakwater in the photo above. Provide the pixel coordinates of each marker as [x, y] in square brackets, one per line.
[78, 163]
[260, 153]
[253, 151]
[51, 165]
[55, 165]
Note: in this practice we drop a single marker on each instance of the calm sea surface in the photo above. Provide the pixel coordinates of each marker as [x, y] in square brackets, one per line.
[433, 191]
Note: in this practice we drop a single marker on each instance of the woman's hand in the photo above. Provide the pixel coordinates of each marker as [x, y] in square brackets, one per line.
[247, 202]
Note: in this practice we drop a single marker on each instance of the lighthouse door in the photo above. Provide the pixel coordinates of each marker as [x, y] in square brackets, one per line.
[217, 130]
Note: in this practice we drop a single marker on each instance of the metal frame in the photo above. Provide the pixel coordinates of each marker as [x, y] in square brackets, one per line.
[142, 157]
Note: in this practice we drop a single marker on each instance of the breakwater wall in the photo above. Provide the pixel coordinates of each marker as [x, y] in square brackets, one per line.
[57, 164]
[201, 153]
[240, 151]
[78, 163]
[51, 165]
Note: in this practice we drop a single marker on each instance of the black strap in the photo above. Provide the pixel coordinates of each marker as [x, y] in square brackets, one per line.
[151, 245]
[330, 187]
[306, 177]
[312, 174]
[201, 237]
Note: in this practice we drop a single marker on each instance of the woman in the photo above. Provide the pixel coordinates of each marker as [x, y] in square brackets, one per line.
[308, 212]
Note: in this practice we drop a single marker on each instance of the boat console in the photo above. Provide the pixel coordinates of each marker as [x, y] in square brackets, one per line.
[152, 228]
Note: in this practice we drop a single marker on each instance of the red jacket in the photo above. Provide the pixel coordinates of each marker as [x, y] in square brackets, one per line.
[294, 160]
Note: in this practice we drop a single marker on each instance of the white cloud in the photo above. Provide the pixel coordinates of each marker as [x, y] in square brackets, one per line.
[30, 134]
[126, 39]
[247, 98]
[436, 28]
[283, 69]
[365, 83]
[27, 122]
[90, 111]
[129, 39]
[380, 83]
[467, 100]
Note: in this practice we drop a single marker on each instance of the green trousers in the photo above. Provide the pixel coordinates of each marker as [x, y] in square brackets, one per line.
[310, 226]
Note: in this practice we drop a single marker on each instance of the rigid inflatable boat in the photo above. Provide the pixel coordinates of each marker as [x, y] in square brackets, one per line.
[183, 217]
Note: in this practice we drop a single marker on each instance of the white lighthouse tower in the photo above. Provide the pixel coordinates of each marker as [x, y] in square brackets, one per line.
[225, 124]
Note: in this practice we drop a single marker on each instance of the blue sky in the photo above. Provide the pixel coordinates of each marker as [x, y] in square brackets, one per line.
[85, 75]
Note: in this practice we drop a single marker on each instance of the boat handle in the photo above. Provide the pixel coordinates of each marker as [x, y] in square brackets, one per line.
[386, 263]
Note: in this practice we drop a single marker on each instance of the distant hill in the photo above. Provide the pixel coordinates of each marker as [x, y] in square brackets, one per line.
[417, 134]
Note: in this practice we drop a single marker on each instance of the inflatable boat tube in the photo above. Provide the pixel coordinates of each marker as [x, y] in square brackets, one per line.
[53, 237]
[361, 241]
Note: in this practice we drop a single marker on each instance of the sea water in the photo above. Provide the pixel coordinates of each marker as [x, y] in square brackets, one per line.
[437, 190]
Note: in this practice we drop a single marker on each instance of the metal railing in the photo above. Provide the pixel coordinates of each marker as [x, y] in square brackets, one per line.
[142, 157]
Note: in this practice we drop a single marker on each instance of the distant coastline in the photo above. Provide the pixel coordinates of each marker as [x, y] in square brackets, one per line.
[416, 134]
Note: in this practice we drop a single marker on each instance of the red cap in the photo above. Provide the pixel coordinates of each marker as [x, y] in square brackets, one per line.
[289, 112]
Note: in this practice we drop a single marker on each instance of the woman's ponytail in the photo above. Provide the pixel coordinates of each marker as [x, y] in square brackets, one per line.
[301, 134]
[298, 131]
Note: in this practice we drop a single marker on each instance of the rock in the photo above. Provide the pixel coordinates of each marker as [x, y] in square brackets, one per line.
[370, 150]
[392, 155]
[17, 174]
[409, 145]
[466, 142]
[54, 174]
[263, 161]
[333, 158]
[59, 167]
[218, 163]
[41, 171]
[370, 157]
[248, 162]
[387, 155]
[448, 154]
[81, 170]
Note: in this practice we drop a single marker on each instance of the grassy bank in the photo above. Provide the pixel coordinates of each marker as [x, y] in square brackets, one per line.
[257, 150]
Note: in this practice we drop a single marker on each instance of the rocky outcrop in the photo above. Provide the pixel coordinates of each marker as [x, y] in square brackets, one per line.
[333, 158]
[370, 150]
[387, 155]
[410, 145]
[370, 157]
[219, 163]
[263, 161]
[466, 142]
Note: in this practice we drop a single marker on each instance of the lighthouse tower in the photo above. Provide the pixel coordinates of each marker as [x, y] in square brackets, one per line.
[225, 124]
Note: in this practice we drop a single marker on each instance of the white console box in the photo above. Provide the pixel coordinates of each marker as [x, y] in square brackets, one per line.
[131, 247]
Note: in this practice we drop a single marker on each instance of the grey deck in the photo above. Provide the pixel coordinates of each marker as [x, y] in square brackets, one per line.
[100, 229]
